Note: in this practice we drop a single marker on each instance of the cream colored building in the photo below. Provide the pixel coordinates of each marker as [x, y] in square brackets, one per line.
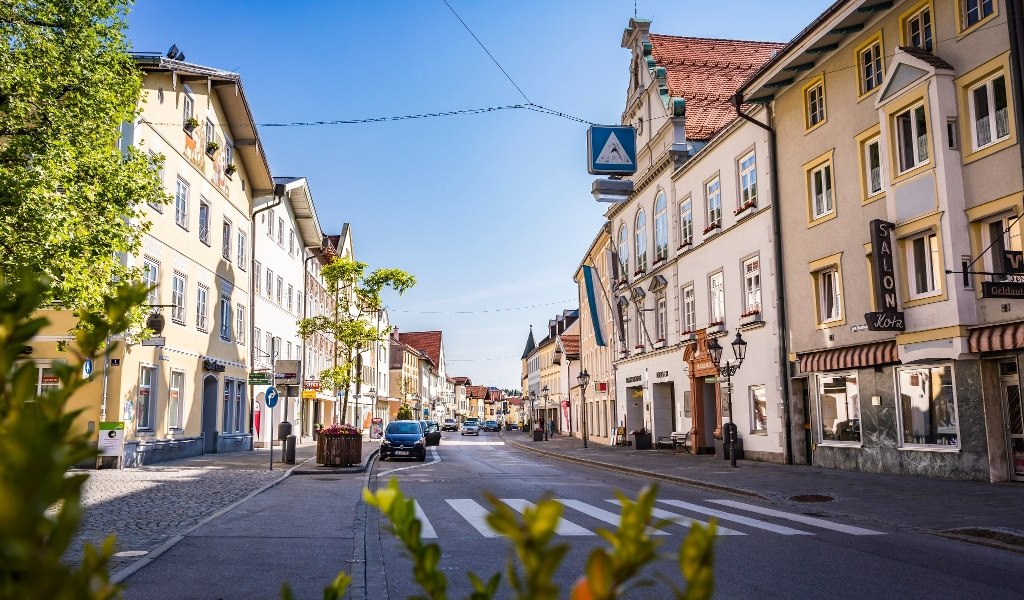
[597, 344]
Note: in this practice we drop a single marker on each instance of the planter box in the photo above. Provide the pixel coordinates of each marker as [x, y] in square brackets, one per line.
[643, 441]
[339, 450]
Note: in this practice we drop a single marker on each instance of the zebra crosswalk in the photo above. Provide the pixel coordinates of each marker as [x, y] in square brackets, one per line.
[584, 518]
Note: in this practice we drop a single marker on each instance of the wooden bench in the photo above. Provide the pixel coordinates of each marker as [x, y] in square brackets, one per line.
[675, 440]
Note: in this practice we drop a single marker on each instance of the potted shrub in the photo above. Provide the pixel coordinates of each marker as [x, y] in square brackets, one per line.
[230, 169]
[339, 446]
[190, 124]
[642, 437]
[211, 148]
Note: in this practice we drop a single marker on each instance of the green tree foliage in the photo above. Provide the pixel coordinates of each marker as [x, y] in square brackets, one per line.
[404, 412]
[40, 505]
[69, 199]
[353, 326]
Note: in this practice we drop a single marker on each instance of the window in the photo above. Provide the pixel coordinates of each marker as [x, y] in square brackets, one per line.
[225, 246]
[288, 348]
[918, 29]
[229, 395]
[829, 295]
[151, 279]
[146, 397]
[210, 132]
[624, 250]
[153, 156]
[999, 235]
[975, 10]
[240, 249]
[175, 395]
[270, 223]
[990, 118]
[270, 345]
[257, 277]
[870, 64]
[641, 241]
[758, 410]
[204, 221]
[277, 348]
[280, 289]
[239, 408]
[814, 101]
[872, 166]
[291, 242]
[201, 299]
[270, 283]
[225, 318]
[713, 195]
[229, 153]
[689, 310]
[685, 223]
[660, 228]
[257, 341]
[752, 286]
[240, 324]
[927, 405]
[912, 138]
[280, 231]
[187, 106]
[748, 182]
[924, 265]
[638, 316]
[716, 285]
[46, 380]
[299, 306]
[178, 298]
[838, 415]
[661, 317]
[291, 297]
[181, 204]
[821, 192]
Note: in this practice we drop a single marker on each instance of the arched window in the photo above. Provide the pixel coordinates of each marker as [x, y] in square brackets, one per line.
[641, 240]
[661, 227]
[624, 250]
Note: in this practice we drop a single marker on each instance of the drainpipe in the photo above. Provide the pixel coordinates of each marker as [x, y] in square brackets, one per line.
[1015, 25]
[780, 286]
[279, 190]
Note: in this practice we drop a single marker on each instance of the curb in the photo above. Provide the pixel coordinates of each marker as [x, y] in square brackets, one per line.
[715, 487]
[139, 564]
[336, 470]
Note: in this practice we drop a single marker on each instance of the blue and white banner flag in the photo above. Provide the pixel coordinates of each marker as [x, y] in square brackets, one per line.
[589, 275]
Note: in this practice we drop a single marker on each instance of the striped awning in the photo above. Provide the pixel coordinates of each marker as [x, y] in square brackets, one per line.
[864, 355]
[994, 338]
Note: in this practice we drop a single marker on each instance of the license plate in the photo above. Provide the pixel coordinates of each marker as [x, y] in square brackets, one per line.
[401, 453]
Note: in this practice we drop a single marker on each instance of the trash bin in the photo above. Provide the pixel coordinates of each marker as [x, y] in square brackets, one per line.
[289, 449]
[284, 429]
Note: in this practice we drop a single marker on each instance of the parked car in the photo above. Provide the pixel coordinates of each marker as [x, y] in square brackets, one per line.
[450, 425]
[404, 439]
[431, 433]
[513, 427]
[491, 426]
[471, 427]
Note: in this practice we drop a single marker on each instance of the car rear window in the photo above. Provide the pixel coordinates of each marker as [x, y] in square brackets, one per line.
[403, 428]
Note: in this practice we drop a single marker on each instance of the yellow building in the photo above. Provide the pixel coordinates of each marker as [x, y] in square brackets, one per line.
[596, 345]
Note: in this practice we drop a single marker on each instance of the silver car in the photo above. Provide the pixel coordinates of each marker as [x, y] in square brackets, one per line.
[471, 428]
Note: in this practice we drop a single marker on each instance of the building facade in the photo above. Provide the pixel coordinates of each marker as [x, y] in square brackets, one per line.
[598, 341]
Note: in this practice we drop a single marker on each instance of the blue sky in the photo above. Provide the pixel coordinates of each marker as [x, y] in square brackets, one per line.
[490, 211]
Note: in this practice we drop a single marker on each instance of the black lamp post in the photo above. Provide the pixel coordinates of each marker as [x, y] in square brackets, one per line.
[739, 350]
[533, 411]
[584, 379]
[544, 422]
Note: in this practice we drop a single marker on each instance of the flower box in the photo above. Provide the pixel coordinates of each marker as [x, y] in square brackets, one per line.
[688, 336]
[211, 148]
[639, 273]
[190, 125]
[339, 446]
[744, 207]
[230, 169]
[715, 327]
[712, 227]
[684, 245]
[756, 313]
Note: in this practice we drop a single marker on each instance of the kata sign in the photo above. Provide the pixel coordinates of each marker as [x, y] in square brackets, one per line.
[884, 274]
[611, 150]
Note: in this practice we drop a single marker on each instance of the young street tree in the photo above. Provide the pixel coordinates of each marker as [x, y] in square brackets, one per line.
[69, 197]
[353, 326]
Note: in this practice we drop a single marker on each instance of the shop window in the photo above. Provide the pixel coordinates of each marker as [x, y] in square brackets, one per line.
[927, 406]
[758, 410]
[174, 398]
[146, 399]
[838, 416]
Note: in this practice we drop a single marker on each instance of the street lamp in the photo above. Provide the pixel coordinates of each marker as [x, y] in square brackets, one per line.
[544, 422]
[739, 350]
[584, 379]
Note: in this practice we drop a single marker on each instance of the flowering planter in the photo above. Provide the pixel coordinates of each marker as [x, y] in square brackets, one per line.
[339, 450]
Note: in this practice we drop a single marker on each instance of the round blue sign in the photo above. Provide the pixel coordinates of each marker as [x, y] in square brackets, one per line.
[87, 368]
[271, 397]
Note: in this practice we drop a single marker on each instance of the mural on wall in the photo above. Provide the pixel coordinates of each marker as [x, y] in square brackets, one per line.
[196, 153]
[195, 149]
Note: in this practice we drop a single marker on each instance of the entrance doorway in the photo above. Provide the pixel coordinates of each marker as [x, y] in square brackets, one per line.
[1009, 383]
[210, 414]
[708, 401]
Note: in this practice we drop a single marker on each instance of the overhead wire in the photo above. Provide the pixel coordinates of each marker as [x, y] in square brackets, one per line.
[494, 60]
[474, 312]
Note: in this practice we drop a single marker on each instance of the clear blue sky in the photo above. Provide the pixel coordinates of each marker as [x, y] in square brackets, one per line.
[488, 211]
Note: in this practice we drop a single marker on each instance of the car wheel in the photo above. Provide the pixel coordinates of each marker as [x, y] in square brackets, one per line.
[423, 457]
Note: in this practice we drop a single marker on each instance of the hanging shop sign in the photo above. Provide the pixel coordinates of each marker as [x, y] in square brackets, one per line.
[213, 366]
[884, 274]
[1002, 289]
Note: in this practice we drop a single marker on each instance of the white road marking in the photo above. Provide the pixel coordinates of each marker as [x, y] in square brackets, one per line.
[427, 530]
[564, 527]
[724, 516]
[602, 515]
[474, 514]
[436, 459]
[659, 513]
[850, 529]
[463, 442]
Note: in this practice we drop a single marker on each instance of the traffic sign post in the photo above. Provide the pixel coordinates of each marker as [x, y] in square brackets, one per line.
[270, 399]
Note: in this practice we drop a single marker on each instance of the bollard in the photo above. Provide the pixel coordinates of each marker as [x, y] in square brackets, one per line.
[288, 449]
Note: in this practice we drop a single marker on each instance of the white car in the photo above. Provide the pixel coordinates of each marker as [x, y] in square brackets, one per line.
[471, 428]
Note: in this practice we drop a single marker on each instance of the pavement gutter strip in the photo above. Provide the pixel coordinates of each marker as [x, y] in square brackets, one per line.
[715, 487]
[376, 582]
[136, 566]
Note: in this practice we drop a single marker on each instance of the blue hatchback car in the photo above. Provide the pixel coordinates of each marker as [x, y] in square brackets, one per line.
[403, 439]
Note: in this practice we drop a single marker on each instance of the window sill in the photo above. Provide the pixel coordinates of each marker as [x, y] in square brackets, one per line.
[873, 198]
[752, 324]
[913, 172]
[976, 154]
[815, 126]
[822, 219]
[759, 432]
[939, 449]
[831, 324]
[976, 26]
[836, 444]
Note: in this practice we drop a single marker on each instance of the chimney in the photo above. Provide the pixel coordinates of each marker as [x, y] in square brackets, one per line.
[552, 328]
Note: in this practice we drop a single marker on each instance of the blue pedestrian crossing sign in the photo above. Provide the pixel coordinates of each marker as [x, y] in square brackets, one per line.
[611, 150]
[271, 397]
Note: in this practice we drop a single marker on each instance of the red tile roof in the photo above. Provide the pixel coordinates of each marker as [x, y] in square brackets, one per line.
[427, 342]
[476, 391]
[571, 343]
[706, 73]
[462, 381]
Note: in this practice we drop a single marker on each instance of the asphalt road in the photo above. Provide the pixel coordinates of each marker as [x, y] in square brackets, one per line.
[307, 528]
